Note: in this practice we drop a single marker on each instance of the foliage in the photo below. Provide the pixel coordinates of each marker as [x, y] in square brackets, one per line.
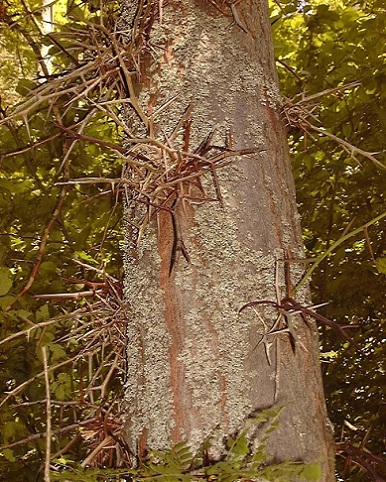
[321, 45]
[59, 249]
[61, 270]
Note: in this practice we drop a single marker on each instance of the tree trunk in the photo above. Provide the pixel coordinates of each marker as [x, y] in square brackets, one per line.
[194, 361]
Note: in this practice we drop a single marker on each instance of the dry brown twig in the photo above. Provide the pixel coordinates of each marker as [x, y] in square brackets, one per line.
[360, 456]
[108, 59]
[48, 414]
[101, 336]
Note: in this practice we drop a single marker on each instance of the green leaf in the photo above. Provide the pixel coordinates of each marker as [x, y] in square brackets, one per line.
[239, 447]
[312, 472]
[85, 257]
[6, 301]
[58, 353]
[380, 264]
[5, 281]
[48, 267]
[43, 313]
[25, 86]
[12, 430]
[8, 454]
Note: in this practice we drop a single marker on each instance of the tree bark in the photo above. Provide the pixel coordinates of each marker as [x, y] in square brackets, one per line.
[194, 361]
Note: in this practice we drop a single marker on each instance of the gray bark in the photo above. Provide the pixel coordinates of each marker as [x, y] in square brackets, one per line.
[194, 361]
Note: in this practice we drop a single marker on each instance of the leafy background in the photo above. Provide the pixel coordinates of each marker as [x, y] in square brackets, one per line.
[319, 45]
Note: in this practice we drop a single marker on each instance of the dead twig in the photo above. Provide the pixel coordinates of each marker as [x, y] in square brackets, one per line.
[48, 417]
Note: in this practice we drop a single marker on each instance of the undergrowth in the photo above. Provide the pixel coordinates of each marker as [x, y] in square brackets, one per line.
[244, 459]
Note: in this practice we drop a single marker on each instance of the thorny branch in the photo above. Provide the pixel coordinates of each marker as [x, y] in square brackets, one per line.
[159, 171]
[42, 248]
[298, 112]
[99, 332]
[289, 307]
[374, 465]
